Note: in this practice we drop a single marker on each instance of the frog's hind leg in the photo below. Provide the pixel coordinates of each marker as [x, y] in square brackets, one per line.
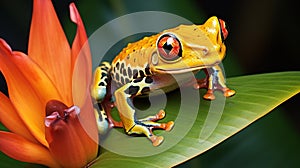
[132, 125]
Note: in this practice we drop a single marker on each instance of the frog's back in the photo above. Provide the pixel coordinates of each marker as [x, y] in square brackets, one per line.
[133, 61]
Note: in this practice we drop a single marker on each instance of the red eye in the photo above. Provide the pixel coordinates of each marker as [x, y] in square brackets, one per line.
[223, 29]
[169, 47]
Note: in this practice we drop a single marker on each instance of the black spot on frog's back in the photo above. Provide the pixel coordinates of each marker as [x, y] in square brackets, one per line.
[117, 76]
[147, 70]
[142, 74]
[129, 72]
[135, 73]
[122, 66]
[127, 80]
[145, 90]
[124, 72]
[132, 90]
[122, 80]
[148, 80]
[137, 80]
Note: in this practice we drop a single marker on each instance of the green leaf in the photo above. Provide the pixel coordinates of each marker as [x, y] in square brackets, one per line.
[256, 96]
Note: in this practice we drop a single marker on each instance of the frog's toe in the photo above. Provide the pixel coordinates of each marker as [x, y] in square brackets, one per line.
[228, 92]
[169, 125]
[209, 95]
[160, 115]
[156, 140]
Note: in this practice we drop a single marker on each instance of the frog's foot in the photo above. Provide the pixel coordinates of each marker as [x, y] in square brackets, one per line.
[150, 120]
[209, 95]
[146, 125]
[211, 87]
[160, 115]
[213, 81]
[228, 92]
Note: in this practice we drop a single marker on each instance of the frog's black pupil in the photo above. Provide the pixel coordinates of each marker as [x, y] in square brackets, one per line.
[167, 47]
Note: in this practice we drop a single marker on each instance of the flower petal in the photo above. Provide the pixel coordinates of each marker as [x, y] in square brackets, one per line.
[24, 98]
[37, 78]
[80, 44]
[81, 60]
[11, 120]
[21, 149]
[82, 98]
[64, 142]
[81, 81]
[87, 130]
[49, 48]
[82, 74]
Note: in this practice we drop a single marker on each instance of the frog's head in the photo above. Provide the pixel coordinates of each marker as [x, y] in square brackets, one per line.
[188, 48]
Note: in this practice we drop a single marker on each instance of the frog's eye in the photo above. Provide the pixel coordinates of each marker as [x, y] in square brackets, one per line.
[169, 47]
[224, 31]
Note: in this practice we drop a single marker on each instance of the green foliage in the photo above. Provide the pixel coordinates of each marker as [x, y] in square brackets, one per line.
[256, 96]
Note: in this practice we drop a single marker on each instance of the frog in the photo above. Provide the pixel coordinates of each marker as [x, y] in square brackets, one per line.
[150, 64]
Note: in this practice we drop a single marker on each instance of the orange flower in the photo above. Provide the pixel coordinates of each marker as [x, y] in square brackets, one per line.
[49, 110]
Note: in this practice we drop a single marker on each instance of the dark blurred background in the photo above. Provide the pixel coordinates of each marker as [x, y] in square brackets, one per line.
[263, 37]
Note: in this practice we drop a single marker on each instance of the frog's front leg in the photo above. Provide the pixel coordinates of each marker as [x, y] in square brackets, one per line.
[214, 80]
[127, 112]
[99, 88]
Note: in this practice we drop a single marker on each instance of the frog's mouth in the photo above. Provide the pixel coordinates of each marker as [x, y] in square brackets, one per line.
[183, 70]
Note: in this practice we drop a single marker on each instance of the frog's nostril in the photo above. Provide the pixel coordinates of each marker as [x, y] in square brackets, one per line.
[205, 51]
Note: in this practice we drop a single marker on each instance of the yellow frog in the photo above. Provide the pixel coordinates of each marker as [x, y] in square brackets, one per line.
[150, 64]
